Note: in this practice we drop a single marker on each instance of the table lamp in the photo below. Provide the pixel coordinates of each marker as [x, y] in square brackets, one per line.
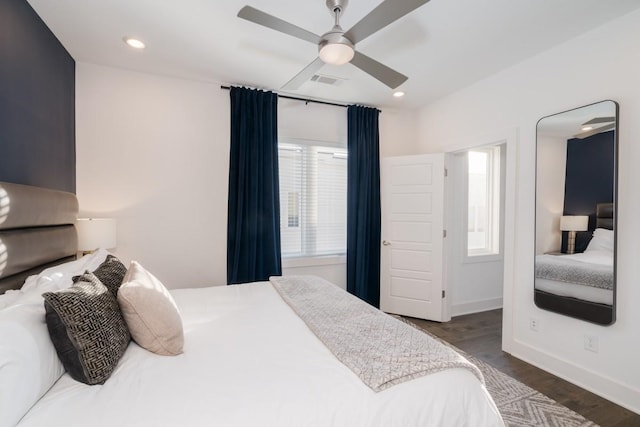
[94, 233]
[573, 223]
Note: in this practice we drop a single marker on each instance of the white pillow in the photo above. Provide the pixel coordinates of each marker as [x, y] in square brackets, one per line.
[150, 312]
[59, 276]
[9, 298]
[53, 279]
[29, 364]
[602, 240]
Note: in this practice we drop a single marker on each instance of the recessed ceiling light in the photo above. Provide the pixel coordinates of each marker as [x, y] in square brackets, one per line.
[135, 43]
[398, 94]
[586, 128]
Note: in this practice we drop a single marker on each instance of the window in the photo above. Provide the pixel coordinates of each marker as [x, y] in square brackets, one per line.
[483, 201]
[313, 198]
[293, 214]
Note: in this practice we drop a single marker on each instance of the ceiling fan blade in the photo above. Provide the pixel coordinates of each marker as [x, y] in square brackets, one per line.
[386, 75]
[261, 18]
[598, 120]
[303, 75]
[384, 14]
[592, 132]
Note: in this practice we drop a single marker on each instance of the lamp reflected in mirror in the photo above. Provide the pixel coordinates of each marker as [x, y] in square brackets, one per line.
[572, 224]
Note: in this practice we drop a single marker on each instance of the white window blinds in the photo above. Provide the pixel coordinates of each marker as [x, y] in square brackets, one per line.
[313, 197]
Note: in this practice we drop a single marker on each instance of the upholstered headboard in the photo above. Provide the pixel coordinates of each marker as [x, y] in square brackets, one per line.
[604, 215]
[36, 231]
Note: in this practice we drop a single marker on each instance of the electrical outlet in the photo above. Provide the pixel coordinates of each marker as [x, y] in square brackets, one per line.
[534, 324]
[591, 343]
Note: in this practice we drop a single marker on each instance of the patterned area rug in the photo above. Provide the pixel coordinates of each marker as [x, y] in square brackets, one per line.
[519, 404]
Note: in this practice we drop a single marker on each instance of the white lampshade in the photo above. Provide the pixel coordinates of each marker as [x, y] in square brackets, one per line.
[336, 53]
[574, 223]
[94, 233]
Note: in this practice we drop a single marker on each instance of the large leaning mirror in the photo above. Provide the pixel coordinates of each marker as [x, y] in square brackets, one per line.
[576, 227]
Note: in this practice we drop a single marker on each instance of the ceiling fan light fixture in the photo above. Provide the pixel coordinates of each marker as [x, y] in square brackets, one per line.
[334, 48]
[336, 53]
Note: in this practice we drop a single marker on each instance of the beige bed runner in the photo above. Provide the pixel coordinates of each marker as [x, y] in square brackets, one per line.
[381, 350]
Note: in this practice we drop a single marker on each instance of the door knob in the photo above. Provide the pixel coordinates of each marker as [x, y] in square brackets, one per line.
[385, 243]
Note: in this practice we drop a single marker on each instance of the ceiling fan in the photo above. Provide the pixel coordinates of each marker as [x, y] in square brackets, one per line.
[337, 46]
[595, 126]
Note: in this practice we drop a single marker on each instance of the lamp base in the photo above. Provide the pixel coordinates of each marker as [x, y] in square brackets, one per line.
[571, 243]
[80, 254]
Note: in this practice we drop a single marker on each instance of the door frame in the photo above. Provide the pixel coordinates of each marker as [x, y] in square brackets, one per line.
[508, 137]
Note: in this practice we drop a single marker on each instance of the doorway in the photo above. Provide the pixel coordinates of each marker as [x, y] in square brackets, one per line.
[475, 203]
[450, 295]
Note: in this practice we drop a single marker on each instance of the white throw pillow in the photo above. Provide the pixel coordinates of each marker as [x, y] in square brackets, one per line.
[150, 312]
[29, 364]
[602, 240]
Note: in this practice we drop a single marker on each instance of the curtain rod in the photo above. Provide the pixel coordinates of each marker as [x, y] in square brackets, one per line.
[300, 99]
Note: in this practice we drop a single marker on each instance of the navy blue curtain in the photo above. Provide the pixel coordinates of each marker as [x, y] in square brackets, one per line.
[363, 204]
[253, 226]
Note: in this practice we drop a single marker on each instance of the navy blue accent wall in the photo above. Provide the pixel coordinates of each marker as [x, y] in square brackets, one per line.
[37, 102]
[589, 180]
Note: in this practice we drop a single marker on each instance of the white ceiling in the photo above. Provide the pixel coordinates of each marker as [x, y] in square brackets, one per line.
[442, 46]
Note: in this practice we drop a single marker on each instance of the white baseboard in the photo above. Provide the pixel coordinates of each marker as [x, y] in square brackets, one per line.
[622, 394]
[476, 306]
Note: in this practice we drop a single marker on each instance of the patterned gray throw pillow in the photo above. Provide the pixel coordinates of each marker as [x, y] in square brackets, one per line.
[111, 273]
[87, 329]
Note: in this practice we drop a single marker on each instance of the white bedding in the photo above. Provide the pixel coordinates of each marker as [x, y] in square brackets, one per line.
[599, 257]
[585, 293]
[250, 361]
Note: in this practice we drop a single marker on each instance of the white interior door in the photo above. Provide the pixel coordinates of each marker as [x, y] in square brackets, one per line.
[411, 276]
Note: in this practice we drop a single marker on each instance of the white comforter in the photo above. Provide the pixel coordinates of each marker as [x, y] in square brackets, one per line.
[250, 361]
[586, 293]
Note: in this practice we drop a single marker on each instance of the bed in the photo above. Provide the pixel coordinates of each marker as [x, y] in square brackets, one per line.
[252, 356]
[582, 284]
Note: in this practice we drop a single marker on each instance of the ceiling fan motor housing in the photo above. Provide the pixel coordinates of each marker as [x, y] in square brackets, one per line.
[334, 47]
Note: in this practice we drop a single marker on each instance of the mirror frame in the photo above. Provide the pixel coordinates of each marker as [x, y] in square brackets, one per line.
[597, 313]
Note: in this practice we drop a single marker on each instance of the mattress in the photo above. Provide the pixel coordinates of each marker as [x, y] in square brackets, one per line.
[250, 361]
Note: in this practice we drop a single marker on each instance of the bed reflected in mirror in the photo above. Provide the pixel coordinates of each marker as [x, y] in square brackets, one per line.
[575, 238]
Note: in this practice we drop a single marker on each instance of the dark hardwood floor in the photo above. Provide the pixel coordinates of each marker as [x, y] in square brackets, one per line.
[480, 334]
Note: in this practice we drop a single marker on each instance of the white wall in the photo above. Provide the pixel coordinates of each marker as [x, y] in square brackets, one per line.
[602, 64]
[398, 132]
[153, 152]
[551, 155]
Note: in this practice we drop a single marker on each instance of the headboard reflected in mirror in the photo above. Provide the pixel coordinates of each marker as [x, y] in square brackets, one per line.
[604, 215]
[36, 231]
[576, 228]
